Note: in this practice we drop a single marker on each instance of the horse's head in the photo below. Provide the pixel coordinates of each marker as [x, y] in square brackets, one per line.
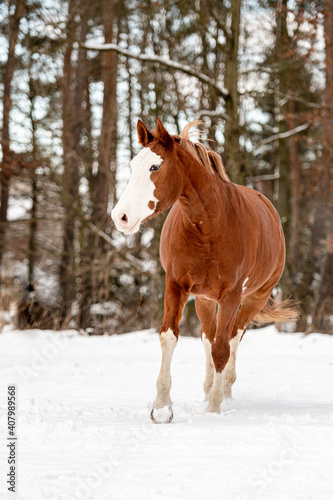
[154, 184]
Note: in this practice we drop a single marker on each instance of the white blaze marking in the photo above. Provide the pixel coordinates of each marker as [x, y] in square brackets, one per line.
[244, 287]
[138, 192]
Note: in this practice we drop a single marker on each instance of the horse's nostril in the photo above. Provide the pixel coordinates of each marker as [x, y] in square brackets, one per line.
[124, 218]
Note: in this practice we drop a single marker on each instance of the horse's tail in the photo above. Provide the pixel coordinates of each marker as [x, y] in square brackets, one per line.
[275, 311]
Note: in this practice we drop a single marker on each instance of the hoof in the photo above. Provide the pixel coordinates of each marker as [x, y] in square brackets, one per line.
[162, 415]
[211, 408]
[207, 396]
[227, 394]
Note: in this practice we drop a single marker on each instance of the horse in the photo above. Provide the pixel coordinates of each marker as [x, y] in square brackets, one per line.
[221, 242]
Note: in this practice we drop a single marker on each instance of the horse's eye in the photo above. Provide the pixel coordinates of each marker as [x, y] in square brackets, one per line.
[153, 168]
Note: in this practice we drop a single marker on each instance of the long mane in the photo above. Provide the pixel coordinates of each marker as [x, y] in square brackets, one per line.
[204, 155]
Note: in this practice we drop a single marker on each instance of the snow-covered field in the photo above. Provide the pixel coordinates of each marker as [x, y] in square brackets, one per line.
[84, 430]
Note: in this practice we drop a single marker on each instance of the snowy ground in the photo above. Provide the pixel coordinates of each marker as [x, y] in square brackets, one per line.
[84, 430]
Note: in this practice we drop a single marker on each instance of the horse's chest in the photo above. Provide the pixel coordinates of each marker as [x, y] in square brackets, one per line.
[195, 270]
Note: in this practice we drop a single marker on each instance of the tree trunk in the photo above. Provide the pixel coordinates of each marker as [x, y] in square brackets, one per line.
[295, 222]
[104, 181]
[284, 191]
[67, 144]
[318, 283]
[232, 156]
[73, 119]
[324, 305]
[283, 184]
[32, 232]
[33, 213]
[6, 165]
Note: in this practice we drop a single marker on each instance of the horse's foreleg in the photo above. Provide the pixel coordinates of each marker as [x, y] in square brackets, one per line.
[162, 410]
[229, 372]
[174, 302]
[251, 305]
[209, 377]
[206, 311]
[226, 316]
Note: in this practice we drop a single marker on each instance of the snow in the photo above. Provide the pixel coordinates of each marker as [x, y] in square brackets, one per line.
[18, 208]
[84, 430]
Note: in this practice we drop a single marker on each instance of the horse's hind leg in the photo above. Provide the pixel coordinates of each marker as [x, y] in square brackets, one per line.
[206, 311]
[229, 372]
[251, 305]
[226, 316]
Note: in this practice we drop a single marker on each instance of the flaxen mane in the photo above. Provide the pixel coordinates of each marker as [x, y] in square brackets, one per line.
[203, 155]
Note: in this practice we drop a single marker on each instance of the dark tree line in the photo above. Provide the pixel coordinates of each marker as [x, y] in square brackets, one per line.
[76, 76]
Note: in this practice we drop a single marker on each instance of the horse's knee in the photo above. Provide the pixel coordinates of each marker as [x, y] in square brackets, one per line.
[220, 354]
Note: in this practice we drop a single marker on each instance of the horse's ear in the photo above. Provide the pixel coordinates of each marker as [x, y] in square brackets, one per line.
[144, 135]
[162, 134]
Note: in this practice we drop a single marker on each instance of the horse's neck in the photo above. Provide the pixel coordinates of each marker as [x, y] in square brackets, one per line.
[200, 199]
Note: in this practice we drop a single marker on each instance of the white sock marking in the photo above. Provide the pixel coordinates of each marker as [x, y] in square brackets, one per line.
[168, 343]
[229, 372]
[209, 365]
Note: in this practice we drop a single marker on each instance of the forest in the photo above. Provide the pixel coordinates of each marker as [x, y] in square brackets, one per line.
[75, 78]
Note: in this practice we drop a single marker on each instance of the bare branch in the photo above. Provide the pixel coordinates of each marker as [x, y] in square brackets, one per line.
[282, 135]
[264, 177]
[221, 25]
[221, 47]
[290, 97]
[101, 233]
[138, 264]
[212, 113]
[184, 68]
[257, 69]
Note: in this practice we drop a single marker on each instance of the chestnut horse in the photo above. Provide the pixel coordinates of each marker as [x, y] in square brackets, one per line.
[221, 242]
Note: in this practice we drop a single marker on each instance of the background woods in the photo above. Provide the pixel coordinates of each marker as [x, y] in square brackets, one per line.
[76, 76]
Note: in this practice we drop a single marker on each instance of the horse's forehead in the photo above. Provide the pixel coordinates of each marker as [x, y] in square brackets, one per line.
[146, 158]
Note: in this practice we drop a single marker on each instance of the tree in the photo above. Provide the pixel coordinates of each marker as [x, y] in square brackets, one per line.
[103, 183]
[257, 90]
[10, 163]
[228, 92]
[323, 306]
[73, 95]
